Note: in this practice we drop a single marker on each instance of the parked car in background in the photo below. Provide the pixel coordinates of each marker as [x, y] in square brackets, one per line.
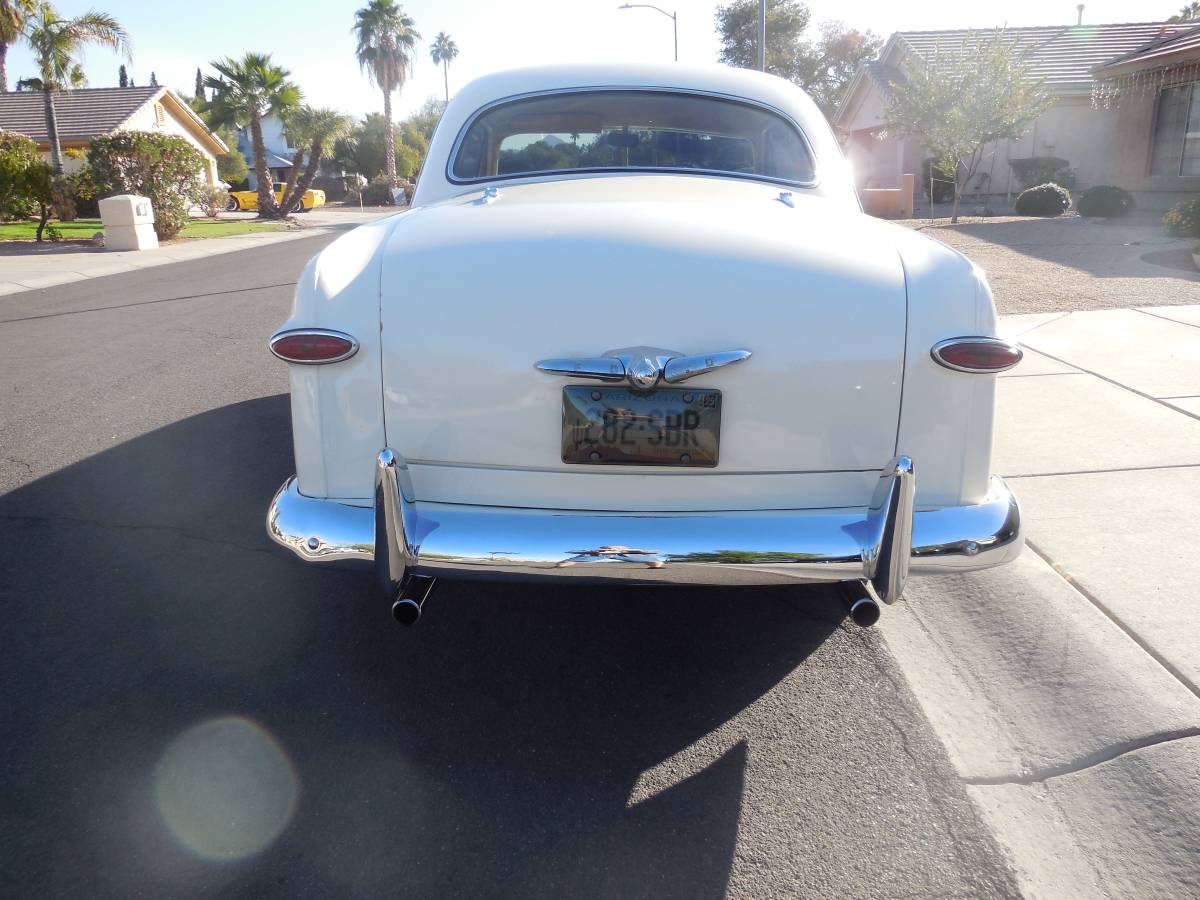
[248, 200]
[636, 328]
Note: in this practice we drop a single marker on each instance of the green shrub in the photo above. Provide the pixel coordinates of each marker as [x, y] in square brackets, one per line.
[1044, 200]
[1105, 201]
[212, 200]
[1035, 170]
[378, 192]
[18, 157]
[166, 169]
[1183, 219]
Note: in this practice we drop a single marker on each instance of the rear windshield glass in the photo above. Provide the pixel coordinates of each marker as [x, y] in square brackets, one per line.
[614, 130]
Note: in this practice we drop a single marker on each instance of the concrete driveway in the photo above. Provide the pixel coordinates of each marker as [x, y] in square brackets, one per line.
[1067, 686]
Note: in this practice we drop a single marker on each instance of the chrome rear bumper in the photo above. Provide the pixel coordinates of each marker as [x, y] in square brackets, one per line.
[401, 537]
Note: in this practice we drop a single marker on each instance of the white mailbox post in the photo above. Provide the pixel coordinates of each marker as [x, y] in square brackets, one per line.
[128, 223]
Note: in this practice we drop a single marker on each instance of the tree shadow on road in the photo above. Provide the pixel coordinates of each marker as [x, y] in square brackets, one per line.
[489, 751]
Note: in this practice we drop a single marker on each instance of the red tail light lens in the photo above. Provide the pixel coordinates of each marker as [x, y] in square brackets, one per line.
[313, 346]
[986, 355]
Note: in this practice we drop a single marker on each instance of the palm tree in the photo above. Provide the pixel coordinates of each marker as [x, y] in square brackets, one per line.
[13, 14]
[57, 45]
[75, 79]
[313, 132]
[246, 90]
[387, 38]
[443, 51]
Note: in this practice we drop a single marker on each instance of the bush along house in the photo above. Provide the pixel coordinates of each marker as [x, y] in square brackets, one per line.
[87, 113]
[1123, 114]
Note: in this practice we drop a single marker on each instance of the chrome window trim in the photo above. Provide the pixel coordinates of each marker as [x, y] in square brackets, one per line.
[936, 352]
[322, 332]
[632, 170]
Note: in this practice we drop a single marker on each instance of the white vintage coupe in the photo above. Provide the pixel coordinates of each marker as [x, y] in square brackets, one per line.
[636, 328]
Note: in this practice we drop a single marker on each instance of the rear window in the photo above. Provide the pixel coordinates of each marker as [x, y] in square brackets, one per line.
[636, 130]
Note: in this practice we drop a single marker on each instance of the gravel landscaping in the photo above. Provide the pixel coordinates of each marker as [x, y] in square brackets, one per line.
[1072, 263]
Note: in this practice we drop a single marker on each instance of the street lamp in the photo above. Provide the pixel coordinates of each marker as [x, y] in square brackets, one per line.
[669, 15]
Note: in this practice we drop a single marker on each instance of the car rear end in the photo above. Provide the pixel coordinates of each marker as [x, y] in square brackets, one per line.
[648, 377]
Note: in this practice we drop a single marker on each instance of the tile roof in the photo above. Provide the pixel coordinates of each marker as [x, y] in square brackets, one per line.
[1063, 56]
[82, 114]
[1159, 50]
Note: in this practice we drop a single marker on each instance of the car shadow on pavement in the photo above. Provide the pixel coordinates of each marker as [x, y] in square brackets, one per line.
[187, 711]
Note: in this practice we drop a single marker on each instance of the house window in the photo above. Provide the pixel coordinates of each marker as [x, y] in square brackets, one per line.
[1176, 147]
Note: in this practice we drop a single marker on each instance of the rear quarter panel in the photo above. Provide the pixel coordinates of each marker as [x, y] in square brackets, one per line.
[946, 417]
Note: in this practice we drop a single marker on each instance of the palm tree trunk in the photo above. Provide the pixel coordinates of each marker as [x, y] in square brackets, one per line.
[446, 77]
[389, 138]
[290, 194]
[266, 197]
[3, 67]
[310, 172]
[56, 155]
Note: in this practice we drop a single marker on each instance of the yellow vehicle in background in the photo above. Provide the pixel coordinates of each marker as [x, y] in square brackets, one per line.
[248, 200]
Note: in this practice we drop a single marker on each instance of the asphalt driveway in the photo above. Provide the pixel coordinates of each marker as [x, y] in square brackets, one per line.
[185, 712]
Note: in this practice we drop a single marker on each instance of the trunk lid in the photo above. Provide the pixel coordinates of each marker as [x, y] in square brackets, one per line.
[475, 293]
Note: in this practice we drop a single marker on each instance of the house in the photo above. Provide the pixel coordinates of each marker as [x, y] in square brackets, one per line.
[280, 152]
[86, 113]
[1121, 110]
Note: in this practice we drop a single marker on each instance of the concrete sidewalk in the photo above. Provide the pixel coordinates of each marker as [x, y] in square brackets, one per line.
[53, 264]
[1066, 687]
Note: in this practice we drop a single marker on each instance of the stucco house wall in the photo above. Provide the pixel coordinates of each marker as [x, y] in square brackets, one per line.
[158, 117]
[1102, 143]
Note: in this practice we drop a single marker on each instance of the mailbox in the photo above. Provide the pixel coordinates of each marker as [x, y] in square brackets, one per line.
[128, 222]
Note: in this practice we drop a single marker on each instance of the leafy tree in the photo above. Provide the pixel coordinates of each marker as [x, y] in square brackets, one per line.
[165, 168]
[822, 66]
[247, 90]
[122, 77]
[387, 39]
[443, 51]
[231, 166]
[25, 181]
[1189, 13]
[153, 79]
[963, 98]
[57, 45]
[427, 117]
[200, 86]
[13, 15]
[314, 132]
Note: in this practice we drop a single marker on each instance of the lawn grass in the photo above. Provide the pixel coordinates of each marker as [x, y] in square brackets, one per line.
[84, 229]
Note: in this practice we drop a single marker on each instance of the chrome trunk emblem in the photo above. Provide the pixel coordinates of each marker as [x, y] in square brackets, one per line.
[642, 367]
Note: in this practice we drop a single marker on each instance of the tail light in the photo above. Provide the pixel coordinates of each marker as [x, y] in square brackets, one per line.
[986, 355]
[313, 346]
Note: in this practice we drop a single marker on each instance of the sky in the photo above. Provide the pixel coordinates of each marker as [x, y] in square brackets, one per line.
[312, 37]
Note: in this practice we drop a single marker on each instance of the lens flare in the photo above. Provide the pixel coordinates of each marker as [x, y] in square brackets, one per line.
[225, 788]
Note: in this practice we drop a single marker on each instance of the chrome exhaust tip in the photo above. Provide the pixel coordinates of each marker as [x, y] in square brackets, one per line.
[862, 607]
[406, 611]
[410, 599]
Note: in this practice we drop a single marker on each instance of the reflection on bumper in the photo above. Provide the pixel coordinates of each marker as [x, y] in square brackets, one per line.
[715, 548]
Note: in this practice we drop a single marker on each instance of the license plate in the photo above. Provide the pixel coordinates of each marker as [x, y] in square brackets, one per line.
[617, 426]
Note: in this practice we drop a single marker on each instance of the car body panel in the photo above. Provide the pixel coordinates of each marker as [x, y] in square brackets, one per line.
[691, 264]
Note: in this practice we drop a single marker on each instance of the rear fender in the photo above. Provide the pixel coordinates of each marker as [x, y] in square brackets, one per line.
[337, 420]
